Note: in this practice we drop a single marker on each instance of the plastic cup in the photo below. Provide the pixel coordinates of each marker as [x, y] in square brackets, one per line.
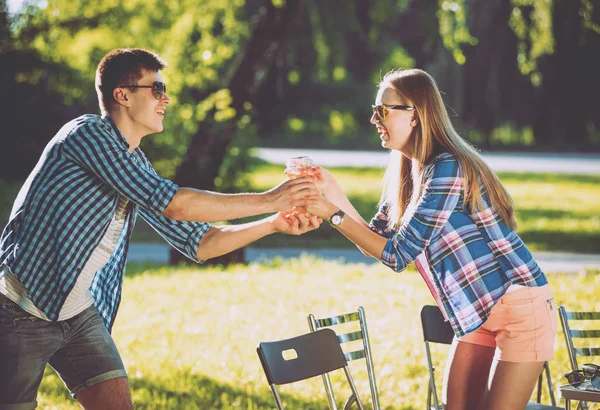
[299, 166]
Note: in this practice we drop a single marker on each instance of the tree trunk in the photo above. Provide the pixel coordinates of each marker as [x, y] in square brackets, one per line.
[208, 147]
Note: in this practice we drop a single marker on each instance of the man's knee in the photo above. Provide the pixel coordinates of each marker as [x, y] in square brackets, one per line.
[108, 394]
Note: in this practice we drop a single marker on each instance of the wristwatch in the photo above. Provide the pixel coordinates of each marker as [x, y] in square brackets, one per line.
[337, 218]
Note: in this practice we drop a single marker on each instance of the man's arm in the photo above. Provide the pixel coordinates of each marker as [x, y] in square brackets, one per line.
[196, 205]
[220, 240]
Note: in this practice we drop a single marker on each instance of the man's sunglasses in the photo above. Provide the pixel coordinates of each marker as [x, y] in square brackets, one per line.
[382, 109]
[158, 88]
[589, 372]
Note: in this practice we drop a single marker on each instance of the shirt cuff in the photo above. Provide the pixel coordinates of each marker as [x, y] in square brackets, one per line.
[193, 242]
[163, 195]
[391, 256]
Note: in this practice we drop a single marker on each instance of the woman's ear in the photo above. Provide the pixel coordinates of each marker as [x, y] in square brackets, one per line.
[414, 120]
[121, 96]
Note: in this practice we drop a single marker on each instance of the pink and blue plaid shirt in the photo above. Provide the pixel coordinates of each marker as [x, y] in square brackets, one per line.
[468, 260]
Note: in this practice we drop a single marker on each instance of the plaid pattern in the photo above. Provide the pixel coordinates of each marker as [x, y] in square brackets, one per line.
[468, 260]
[66, 205]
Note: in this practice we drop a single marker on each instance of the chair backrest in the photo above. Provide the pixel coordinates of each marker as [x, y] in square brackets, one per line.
[566, 320]
[302, 357]
[361, 333]
[437, 330]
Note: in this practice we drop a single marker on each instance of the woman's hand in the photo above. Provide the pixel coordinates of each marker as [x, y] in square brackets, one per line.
[323, 208]
[326, 182]
[295, 223]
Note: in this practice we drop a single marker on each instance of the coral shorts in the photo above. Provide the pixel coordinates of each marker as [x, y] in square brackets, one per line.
[521, 327]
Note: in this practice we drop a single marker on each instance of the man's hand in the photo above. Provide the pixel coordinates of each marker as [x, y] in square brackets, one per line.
[295, 223]
[295, 192]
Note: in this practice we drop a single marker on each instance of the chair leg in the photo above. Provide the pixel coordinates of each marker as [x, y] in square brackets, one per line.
[549, 381]
[351, 400]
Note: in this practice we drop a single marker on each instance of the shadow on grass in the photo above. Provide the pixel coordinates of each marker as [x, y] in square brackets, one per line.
[559, 241]
[200, 392]
[508, 177]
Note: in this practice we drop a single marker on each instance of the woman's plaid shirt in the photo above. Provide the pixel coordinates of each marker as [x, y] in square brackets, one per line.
[467, 259]
[66, 205]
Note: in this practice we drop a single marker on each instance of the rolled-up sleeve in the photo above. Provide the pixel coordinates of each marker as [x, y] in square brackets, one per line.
[441, 193]
[379, 223]
[95, 147]
[184, 236]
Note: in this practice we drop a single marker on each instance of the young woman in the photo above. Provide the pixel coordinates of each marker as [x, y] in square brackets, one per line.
[445, 210]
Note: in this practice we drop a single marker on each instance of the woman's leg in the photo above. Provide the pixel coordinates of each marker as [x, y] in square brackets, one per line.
[466, 375]
[511, 384]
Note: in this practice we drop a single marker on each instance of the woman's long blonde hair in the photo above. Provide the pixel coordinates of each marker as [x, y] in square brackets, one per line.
[433, 135]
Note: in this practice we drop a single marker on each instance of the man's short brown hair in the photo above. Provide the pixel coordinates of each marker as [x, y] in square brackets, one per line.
[123, 66]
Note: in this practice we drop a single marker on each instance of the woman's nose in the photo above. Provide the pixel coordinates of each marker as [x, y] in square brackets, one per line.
[374, 119]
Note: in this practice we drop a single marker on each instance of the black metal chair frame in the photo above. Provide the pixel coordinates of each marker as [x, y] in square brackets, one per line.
[316, 353]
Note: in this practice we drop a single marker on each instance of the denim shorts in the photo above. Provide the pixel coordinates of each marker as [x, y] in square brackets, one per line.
[80, 350]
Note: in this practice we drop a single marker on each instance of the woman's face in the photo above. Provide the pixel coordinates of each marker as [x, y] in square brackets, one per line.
[395, 131]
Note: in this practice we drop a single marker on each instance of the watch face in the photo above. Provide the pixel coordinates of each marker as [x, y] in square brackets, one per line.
[336, 220]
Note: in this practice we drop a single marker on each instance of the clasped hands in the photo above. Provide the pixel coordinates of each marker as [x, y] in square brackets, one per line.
[303, 202]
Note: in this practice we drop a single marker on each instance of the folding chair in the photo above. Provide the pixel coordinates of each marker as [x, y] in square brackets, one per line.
[364, 353]
[437, 330]
[302, 357]
[565, 318]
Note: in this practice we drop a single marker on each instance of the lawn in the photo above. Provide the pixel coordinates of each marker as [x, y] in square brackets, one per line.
[188, 335]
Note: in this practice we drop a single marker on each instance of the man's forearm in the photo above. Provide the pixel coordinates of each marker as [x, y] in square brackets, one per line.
[204, 206]
[220, 240]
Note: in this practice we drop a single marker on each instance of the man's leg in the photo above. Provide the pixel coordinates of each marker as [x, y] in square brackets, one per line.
[90, 364]
[109, 394]
[26, 345]
[466, 375]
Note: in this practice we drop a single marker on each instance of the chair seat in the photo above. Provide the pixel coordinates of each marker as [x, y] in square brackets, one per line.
[537, 406]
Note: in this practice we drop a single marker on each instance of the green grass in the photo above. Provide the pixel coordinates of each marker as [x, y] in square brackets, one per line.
[188, 335]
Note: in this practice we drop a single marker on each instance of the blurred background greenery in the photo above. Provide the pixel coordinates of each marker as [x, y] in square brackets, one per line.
[516, 74]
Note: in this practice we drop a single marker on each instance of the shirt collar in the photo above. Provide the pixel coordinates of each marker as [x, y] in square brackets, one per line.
[106, 118]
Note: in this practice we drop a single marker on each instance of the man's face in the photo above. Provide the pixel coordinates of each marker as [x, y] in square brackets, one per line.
[146, 112]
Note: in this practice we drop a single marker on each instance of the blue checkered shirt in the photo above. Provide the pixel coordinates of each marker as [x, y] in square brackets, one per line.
[64, 208]
[468, 259]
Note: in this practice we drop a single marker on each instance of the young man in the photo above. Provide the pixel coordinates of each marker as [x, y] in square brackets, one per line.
[63, 251]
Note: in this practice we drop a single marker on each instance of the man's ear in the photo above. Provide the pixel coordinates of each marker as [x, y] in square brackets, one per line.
[121, 96]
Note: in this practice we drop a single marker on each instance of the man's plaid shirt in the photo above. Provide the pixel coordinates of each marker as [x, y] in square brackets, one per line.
[468, 260]
[64, 208]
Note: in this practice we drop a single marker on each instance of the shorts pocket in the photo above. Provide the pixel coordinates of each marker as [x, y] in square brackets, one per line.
[552, 312]
[11, 311]
[519, 315]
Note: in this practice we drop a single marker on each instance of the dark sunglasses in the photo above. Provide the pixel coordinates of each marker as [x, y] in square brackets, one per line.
[158, 88]
[589, 372]
[382, 109]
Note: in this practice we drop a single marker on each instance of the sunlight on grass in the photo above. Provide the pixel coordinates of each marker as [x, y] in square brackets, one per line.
[188, 335]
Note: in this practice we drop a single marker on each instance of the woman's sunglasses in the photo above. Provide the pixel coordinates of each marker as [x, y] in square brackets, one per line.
[382, 109]
[158, 88]
[589, 372]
